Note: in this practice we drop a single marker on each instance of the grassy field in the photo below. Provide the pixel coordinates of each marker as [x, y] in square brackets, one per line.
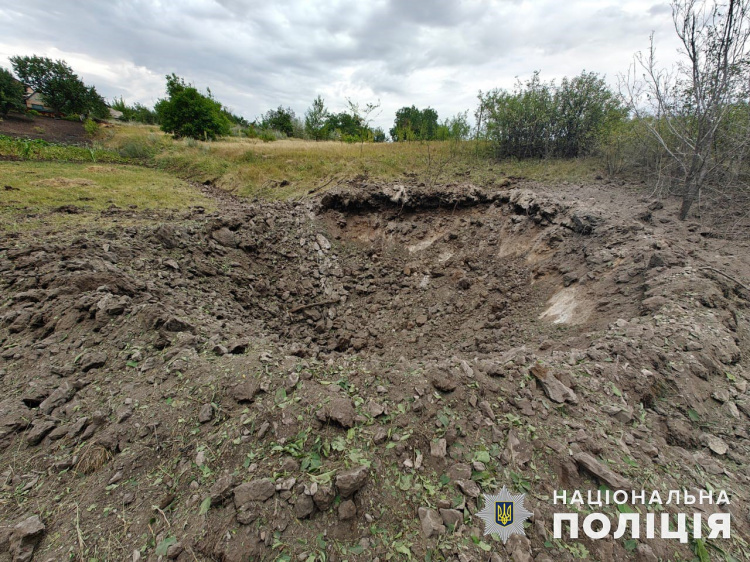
[31, 189]
[137, 165]
[293, 168]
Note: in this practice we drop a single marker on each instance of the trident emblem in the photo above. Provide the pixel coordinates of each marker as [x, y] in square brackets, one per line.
[504, 515]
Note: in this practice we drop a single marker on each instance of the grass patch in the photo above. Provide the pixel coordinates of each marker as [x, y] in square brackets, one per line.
[30, 188]
[292, 168]
[38, 149]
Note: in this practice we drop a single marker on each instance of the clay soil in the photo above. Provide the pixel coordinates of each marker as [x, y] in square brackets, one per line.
[45, 128]
[341, 378]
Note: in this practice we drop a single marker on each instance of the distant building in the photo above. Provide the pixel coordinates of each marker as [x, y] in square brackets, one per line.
[35, 101]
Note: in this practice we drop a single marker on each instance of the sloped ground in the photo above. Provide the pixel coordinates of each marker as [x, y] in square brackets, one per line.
[296, 380]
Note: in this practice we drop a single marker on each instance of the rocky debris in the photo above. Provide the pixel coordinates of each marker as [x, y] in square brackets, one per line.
[254, 491]
[621, 412]
[469, 488]
[225, 237]
[716, 444]
[245, 391]
[601, 472]
[175, 324]
[442, 381]
[338, 410]
[61, 395]
[459, 471]
[351, 481]
[93, 360]
[25, 537]
[39, 430]
[221, 490]
[553, 388]
[432, 523]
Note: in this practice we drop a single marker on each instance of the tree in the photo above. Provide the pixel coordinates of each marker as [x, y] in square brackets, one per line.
[60, 88]
[281, 119]
[188, 113]
[415, 124]
[363, 117]
[697, 111]
[315, 119]
[11, 93]
[539, 119]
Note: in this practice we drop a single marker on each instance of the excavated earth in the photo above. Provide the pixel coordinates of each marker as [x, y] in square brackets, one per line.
[341, 379]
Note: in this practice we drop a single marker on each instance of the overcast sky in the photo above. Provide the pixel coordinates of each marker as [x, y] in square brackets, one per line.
[255, 55]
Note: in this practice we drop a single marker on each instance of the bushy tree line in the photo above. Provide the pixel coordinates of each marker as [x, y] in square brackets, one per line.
[541, 119]
[61, 89]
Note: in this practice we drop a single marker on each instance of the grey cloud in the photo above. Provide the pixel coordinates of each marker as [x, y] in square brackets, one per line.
[256, 54]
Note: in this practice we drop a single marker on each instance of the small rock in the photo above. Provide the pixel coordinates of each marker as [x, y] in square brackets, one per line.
[604, 474]
[339, 410]
[254, 491]
[438, 448]
[432, 523]
[304, 507]
[459, 471]
[452, 518]
[174, 551]
[645, 553]
[716, 444]
[347, 510]
[246, 391]
[442, 381]
[206, 413]
[469, 488]
[93, 360]
[350, 481]
[25, 537]
[225, 237]
[221, 489]
[324, 497]
[553, 388]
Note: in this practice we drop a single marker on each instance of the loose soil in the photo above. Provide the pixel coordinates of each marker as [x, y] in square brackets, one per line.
[310, 380]
[45, 128]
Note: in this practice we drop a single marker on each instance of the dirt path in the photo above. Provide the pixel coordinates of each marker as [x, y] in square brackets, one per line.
[343, 377]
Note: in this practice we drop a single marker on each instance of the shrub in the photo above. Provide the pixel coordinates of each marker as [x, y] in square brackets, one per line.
[188, 113]
[539, 119]
[90, 127]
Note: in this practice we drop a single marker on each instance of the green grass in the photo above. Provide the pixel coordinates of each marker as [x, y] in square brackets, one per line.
[37, 149]
[41, 187]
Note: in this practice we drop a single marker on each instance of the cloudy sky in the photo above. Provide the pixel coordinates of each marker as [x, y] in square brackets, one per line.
[255, 55]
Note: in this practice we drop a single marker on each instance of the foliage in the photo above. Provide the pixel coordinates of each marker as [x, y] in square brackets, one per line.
[60, 88]
[280, 119]
[415, 124]
[456, 128]
[38, 149]
[698, 111]
[137, 112]
[539, 119]
[11, 93]
[342, 126]
[315, 120]
[90, 127]
[188, 113]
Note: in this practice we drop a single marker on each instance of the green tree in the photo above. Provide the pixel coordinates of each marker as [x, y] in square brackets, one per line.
[315, 120]
[136, 112]
[539, 119]
[415, 124]
[60, 88]
[11, 93]
[280, 119]
[188, 113]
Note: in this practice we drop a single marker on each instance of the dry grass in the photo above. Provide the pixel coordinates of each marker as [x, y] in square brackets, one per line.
[293, 168]
[92, 458]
